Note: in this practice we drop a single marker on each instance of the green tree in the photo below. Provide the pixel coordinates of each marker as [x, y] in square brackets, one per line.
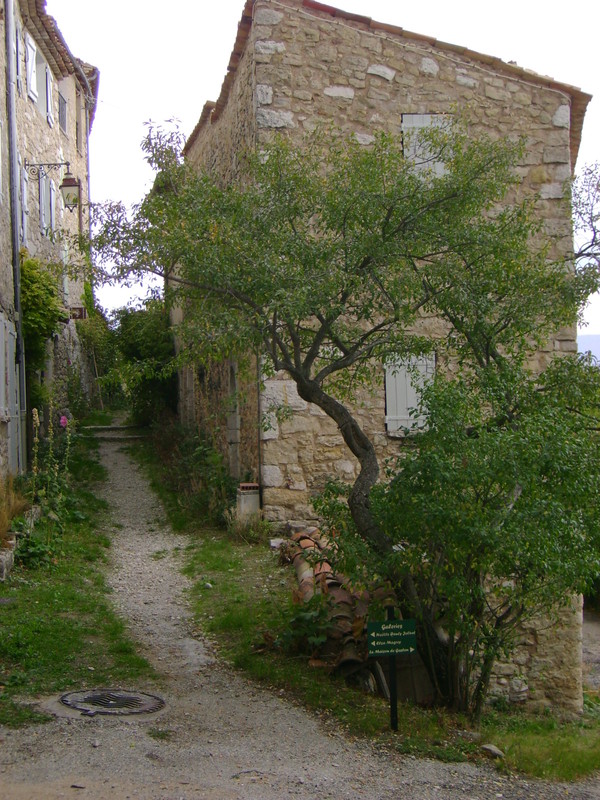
[325, 258]
[41, 308]
[145, 342]
[495, 515]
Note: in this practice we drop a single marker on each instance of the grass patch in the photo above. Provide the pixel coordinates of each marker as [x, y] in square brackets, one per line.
[58, 631]
[97, 417]
[160, 734]
[545, 747]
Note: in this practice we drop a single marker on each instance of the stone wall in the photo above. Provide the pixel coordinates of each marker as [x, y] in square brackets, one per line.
[313, 69]
[6, 277]
[297, 66]
[42, 141]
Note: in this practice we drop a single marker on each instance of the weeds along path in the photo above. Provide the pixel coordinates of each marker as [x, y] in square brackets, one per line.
[219, 736]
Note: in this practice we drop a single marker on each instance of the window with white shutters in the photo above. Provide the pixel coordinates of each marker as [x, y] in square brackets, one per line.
[17, 53]
[31, 66]
[62, 112]
[52, 205]
[417, 150]
[24, 204]
[47, 204]
[43, 186]
[402, 393]
[49, 97]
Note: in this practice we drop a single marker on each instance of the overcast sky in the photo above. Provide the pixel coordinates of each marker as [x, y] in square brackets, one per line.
[162, 60]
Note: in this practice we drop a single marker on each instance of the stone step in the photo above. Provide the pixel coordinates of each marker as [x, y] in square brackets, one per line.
[115, 433]
[105, 428]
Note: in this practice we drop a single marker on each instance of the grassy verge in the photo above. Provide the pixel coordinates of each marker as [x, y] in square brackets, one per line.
[241, 598]
[57, 629]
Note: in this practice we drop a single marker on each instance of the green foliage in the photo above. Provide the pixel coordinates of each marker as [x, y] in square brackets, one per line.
[324, 255]
[306, 626]
[495, 513]
[98, 341]
[146, 372]
[190, 475]
[60, 462]
[41, 308]
[252, 529]
[325, 258]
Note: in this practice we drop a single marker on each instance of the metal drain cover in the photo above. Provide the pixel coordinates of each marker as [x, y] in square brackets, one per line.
[112, 701]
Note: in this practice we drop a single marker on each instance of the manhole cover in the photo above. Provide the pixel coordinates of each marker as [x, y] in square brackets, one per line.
[112, 701]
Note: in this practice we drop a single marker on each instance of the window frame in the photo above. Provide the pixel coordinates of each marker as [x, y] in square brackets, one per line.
[403, 381]
[31, 67]
[63, 110]
[411, 125]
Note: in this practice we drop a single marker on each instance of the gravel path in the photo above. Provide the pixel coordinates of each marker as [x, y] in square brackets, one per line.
[226, 738]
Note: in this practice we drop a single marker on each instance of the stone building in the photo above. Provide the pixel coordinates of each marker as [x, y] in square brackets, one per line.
[298, 63]
[44, 133]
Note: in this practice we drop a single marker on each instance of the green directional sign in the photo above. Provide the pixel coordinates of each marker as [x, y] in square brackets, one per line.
[392, 638]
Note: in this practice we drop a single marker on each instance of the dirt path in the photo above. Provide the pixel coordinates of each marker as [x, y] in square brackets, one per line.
[224, 737]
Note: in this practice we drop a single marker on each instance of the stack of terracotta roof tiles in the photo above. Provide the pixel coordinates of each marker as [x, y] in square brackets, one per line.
[346, 646]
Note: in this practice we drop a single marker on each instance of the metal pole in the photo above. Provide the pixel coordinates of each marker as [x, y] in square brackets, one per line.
[393, 682]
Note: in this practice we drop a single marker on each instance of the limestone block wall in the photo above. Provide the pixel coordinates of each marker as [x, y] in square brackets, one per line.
[231, 131]
[44, 140]
[6, 281]
[311, 69]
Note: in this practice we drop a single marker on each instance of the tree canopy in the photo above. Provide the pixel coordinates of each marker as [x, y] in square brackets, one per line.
[326, 258]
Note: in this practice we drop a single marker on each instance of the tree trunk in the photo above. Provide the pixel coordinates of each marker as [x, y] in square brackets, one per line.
[361, 446]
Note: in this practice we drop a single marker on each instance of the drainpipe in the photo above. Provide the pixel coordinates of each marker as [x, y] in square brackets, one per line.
[13, 158]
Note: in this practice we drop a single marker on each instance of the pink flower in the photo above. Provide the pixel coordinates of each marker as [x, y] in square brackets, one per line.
[63, 422]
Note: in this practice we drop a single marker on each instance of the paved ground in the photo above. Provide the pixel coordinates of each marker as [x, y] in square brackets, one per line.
[220, 736]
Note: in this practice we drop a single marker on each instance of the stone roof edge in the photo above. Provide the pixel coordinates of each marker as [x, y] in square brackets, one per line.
[56, 51]
[579, 99]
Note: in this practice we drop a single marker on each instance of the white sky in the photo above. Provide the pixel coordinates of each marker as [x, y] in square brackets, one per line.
[161, 60]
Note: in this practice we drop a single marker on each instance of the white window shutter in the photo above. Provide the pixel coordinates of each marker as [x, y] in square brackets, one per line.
[30, 61]
[13, 398]
[1, 140]
[52, 205]
[49, 97]
[402, 385]
[17, 53]
[24, 205]
[3, 370]
[43, 180]
[416, 150]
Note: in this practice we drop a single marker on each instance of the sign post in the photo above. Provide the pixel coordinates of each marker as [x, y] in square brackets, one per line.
[391, 638]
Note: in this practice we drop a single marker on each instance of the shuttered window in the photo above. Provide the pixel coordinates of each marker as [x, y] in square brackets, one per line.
[416, 150]
[47, 204]
[24, 205]
[52, 206]
[402, 384]
[3, 368]
[49, 97]
[31, 66]
[17, 53]
[62, 112]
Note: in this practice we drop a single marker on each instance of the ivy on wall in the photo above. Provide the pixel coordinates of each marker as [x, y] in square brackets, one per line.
[41, 308]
